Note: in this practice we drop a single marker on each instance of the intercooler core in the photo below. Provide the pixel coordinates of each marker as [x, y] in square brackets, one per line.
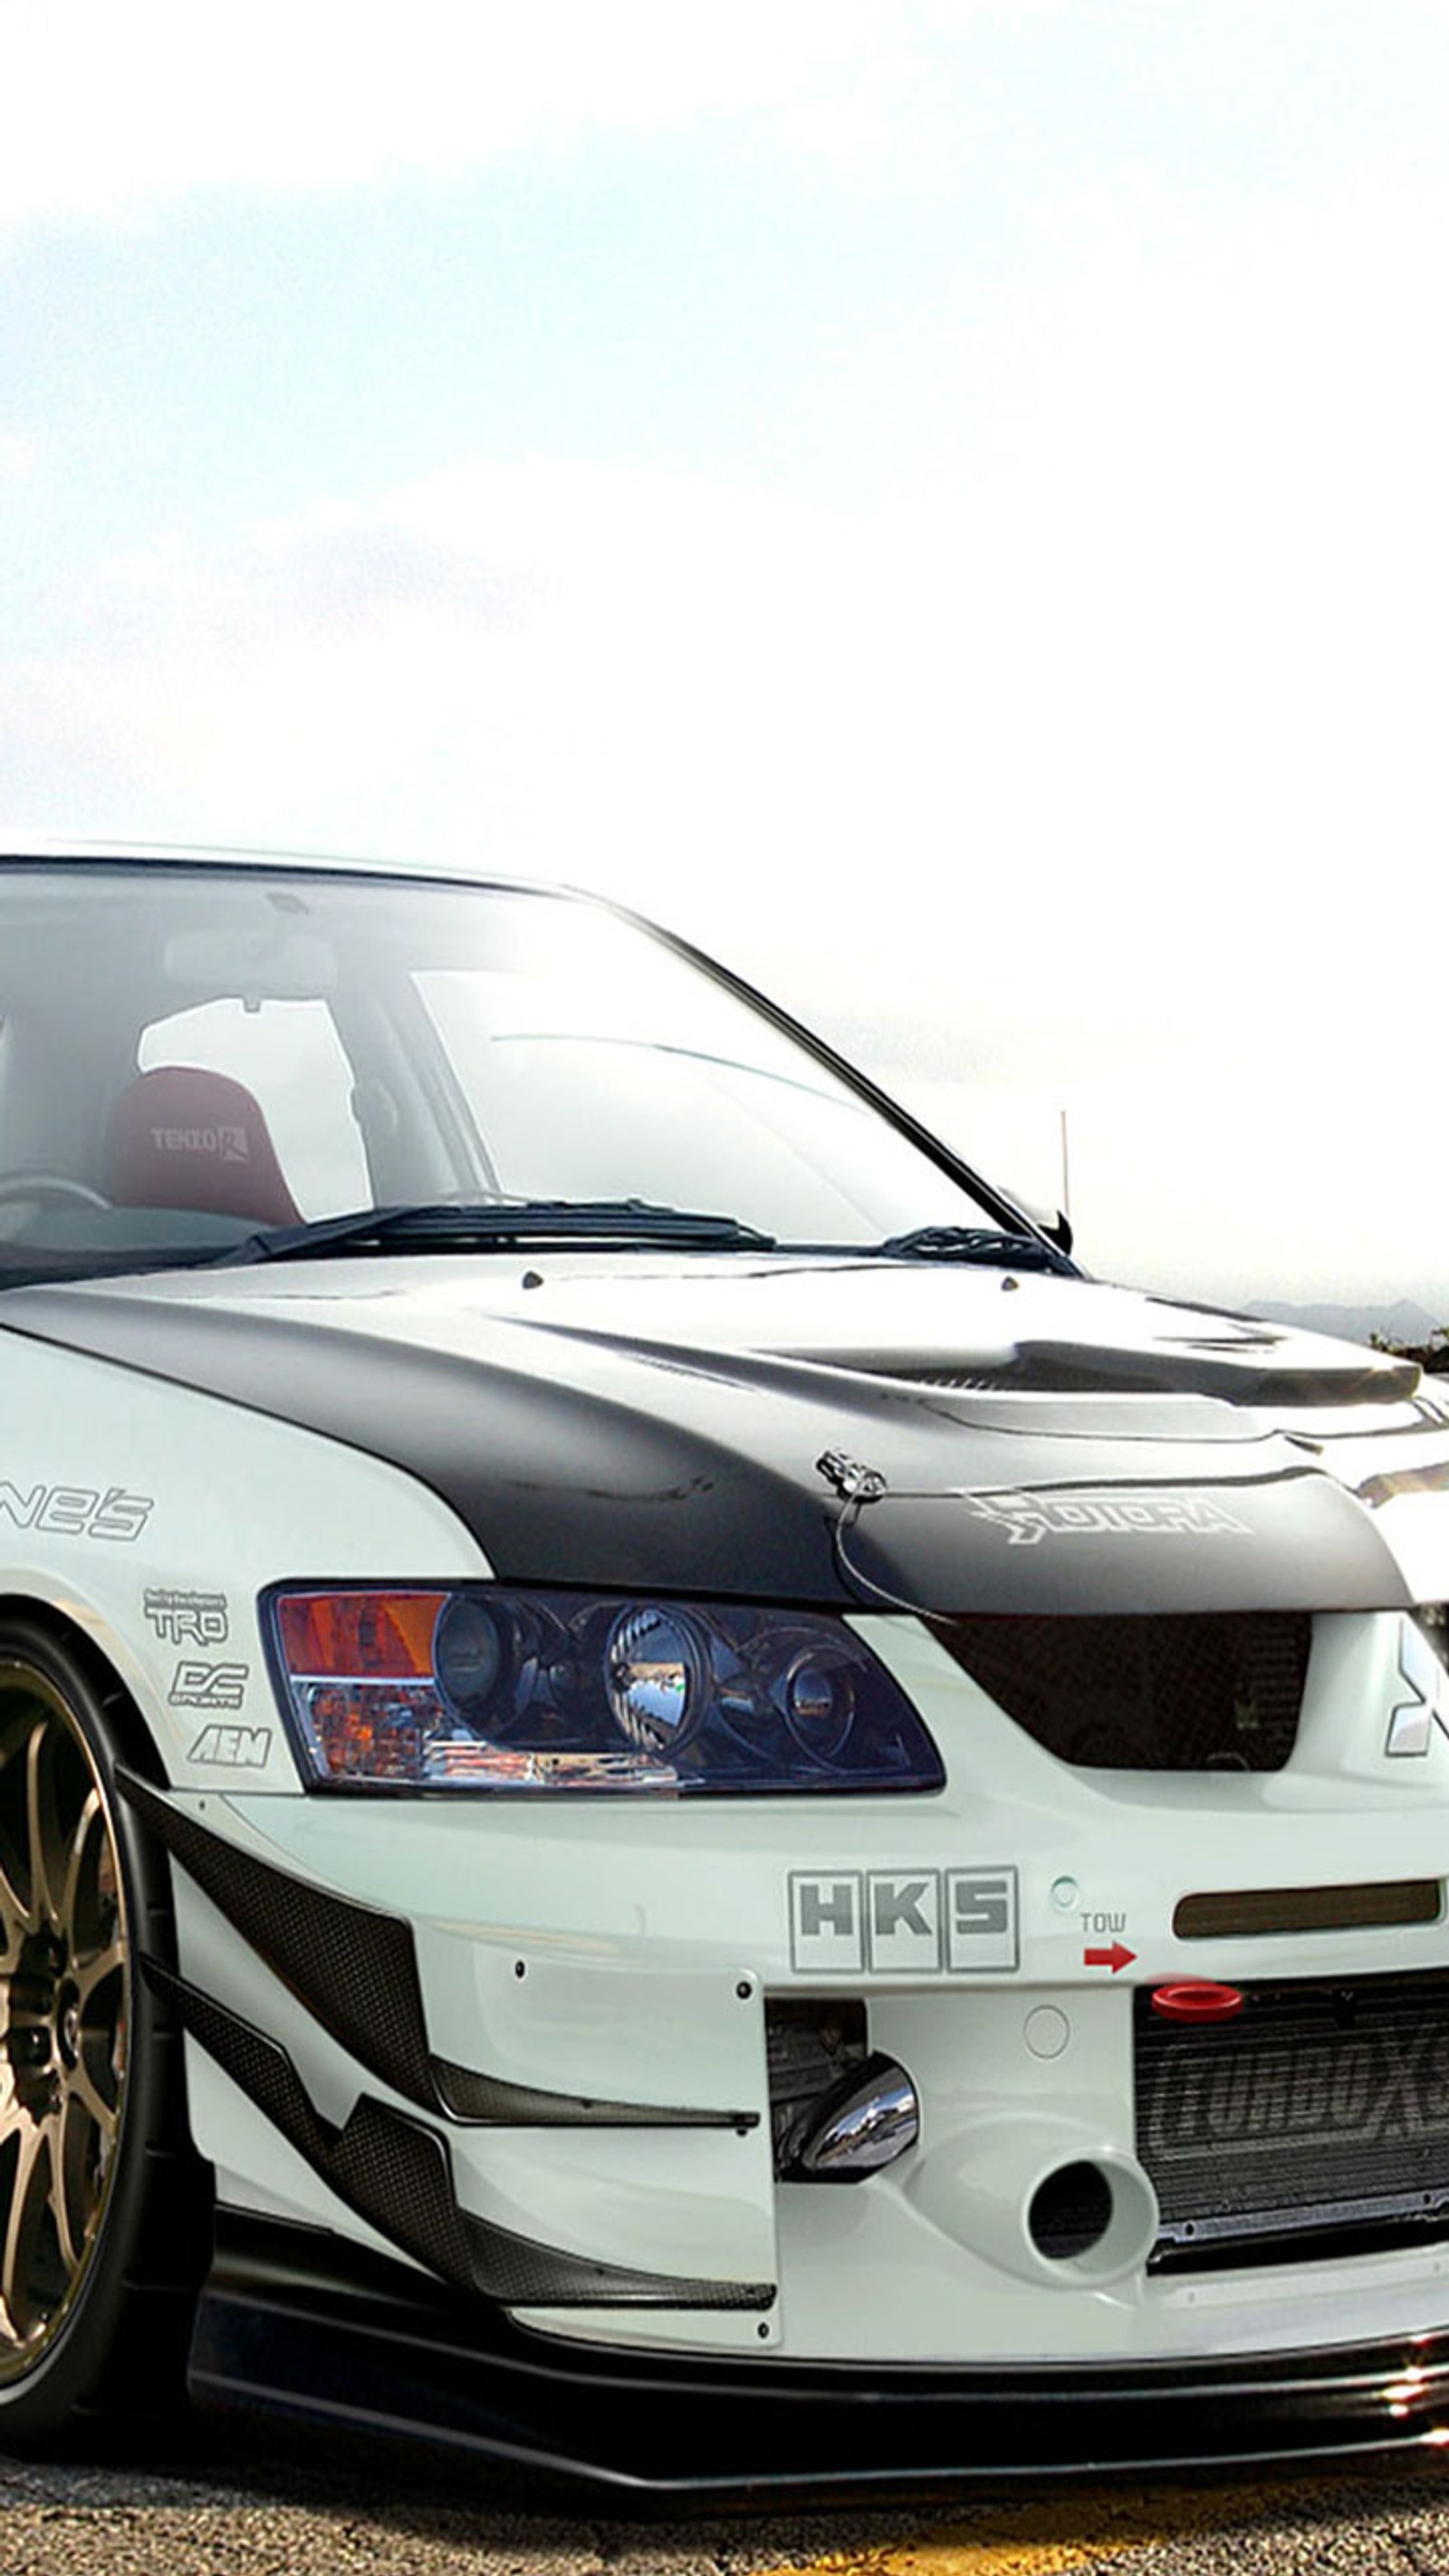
[1313, 2123]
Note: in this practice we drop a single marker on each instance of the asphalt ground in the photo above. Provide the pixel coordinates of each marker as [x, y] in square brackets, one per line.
[259, 2500]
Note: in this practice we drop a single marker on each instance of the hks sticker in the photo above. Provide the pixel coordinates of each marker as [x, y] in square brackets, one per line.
[187, 1618]
[912, 1922]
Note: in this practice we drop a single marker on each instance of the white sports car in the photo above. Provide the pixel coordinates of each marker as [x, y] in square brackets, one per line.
[670, 1803]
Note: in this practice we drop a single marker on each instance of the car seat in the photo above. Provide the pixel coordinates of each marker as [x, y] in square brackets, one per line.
[181, 1137]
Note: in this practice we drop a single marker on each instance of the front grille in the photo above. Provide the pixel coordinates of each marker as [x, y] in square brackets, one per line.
[1203, 1691]
[1316, 2121]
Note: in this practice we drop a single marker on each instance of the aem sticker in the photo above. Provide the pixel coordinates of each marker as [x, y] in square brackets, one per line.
[903, 1922]
[233, 1748]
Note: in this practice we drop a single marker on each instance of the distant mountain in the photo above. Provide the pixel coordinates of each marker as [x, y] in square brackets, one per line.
[1403, 1321]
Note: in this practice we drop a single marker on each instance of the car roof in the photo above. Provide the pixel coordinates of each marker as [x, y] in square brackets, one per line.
[23, 849]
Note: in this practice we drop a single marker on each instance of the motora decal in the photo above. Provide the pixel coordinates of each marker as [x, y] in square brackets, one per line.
[187, 1618]
[76, 1511]
[1029, 1518]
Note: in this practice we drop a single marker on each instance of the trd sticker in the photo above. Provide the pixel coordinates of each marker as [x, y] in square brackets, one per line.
[906, 1922]
[198, 1685]
[233, 1748]
[1029, 1518]
[187, 1618]
[76, 1511]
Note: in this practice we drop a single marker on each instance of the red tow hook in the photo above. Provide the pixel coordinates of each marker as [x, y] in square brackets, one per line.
[1196, 1999]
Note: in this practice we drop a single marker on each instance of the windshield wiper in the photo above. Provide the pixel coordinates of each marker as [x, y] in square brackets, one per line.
[496, 1224]
[983, 1244]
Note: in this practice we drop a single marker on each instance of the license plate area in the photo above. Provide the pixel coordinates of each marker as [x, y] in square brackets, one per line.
[1314, 2122]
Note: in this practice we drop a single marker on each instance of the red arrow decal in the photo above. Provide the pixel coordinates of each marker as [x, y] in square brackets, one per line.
[1114, 1958]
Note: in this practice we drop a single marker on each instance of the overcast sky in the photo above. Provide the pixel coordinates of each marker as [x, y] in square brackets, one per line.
[943, 502]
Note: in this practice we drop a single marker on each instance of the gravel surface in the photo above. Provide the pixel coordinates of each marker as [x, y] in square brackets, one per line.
[273, 2502]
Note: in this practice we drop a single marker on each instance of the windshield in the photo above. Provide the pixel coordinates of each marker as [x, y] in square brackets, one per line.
[191, 1054]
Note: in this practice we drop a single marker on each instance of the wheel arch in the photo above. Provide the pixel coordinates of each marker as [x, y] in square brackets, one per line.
[135, 1740]
[115, 2348]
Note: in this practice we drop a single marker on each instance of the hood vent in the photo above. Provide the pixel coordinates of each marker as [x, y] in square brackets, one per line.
[1250, 1372]
[1205, 1691]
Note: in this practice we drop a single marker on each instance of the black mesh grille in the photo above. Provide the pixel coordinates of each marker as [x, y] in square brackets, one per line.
[1205, 1691]
[1317, 2118]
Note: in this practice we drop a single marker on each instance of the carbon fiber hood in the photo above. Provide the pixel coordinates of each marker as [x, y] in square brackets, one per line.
[639, 1422]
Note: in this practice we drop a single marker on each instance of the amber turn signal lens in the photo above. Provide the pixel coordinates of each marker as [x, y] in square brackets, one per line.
[359, 1636]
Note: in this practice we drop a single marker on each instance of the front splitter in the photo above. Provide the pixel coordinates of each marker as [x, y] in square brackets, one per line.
[294, 2321]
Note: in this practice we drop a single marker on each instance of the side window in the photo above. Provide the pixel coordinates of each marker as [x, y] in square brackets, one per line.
[289, 1056]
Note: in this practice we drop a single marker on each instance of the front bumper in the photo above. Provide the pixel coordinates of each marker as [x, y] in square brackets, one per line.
[296, 2321]
[572, 2116]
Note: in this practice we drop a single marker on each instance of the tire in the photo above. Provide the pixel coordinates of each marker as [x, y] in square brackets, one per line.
[104, 2207]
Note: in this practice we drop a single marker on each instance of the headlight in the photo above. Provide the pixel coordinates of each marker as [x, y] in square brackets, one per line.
[480, 1688]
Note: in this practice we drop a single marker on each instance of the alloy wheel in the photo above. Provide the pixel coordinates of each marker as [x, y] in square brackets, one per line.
[65, 1992]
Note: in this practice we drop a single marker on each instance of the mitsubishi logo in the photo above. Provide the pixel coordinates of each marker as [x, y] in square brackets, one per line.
[1411, 1720]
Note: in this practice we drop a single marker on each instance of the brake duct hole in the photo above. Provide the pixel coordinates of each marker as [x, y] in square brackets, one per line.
[1070, 2212]
[839, 2110]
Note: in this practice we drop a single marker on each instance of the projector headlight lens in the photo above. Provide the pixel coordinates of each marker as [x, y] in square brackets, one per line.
[655, 1679]
[820, 1705]
[467, 1654]
[485, 1688]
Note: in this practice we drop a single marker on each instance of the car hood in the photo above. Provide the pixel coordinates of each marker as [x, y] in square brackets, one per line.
[848, 1430]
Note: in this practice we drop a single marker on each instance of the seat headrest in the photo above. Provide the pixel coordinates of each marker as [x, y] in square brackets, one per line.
[185, 1138]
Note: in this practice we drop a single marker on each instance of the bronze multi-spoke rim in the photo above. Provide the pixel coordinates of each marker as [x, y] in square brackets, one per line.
[64, 1999]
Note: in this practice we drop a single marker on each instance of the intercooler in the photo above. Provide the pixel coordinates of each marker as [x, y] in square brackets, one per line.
[1314, 2122]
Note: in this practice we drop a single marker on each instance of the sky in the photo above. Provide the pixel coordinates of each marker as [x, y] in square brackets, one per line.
[944, 502]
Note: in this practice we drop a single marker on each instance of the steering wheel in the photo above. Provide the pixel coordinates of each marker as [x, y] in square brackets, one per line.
[45, 1186]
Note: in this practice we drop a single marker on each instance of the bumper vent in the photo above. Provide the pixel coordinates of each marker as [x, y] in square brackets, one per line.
[1205, 1691]
[1248, 1913]
[1315, 2123]
[812, 2047]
